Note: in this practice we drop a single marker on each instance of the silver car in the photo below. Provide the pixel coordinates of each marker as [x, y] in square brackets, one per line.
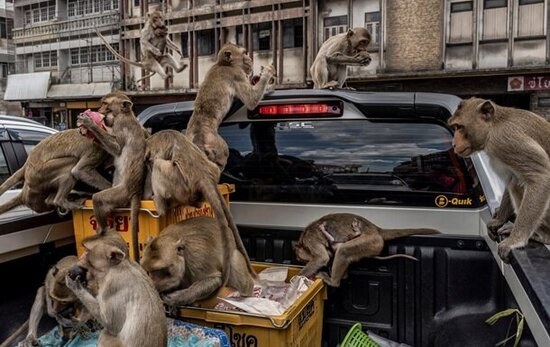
[22, 231]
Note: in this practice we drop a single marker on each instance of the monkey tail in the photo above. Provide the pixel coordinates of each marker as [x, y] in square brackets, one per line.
[236, 235]
[209, 192]
[9, 341]
[134, 217]
[390, 234]
[16, 178]
[116, 54]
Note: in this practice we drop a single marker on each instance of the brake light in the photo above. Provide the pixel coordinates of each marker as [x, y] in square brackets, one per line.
[327, 109]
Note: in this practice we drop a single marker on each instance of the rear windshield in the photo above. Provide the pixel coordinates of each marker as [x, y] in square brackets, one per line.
[348, 162]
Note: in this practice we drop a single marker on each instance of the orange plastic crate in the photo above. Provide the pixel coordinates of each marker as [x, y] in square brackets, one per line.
[150, 223]
[300, 326]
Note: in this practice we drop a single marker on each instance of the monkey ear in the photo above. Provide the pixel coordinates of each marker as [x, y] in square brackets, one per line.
[126, 106]
[180, 248]
[55, 270]
[116, 256]
[487, 109]
[350, 33]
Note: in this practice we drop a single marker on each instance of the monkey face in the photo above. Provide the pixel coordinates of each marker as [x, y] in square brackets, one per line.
[156, 19]
[99, 256]
[114, 104]
[302, 253]
[359, 39]
[471, 124]
[57, 290]
[164, 261]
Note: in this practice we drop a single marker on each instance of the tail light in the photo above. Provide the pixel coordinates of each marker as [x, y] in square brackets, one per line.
[313, 109]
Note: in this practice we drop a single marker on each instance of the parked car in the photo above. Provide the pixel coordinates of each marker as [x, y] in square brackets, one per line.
[302, 154]
[22, 231]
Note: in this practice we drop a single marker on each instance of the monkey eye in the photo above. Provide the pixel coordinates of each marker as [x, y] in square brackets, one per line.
[457, 127]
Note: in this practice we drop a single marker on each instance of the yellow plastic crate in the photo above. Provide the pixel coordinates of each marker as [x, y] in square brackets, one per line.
[300, 326]
[150, 223]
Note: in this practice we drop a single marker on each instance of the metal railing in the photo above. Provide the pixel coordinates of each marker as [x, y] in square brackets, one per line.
[60, 28]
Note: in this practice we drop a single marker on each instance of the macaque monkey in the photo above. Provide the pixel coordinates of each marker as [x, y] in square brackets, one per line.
[330, 67]
[227, 79]
[518, 145]
[154, 43]
[126, 143]
[345, 238]
[58, 301]
[179, 173]
[52, 170]
[126, 304]
[186, 262]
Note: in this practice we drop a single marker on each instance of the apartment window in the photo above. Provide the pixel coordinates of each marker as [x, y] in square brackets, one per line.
[293, 33]
[136, 2]
[460, 26]
[3, 28]
[185, 44]
[45, 59]
[39, 14]
[75, 56]
[372, 24]
[495, 17]
[71, 9]
[335, 25]
[205, 42]
[9, 27]
[530, 18]
[93, 54]
[261, 36]
[4, 71]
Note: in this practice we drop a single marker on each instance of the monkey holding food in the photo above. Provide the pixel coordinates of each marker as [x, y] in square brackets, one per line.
[227, 78]
[330, 67]
[187, 263]
[126, 304]
[58, 301]
[345, 238]
[518, 145]
[51, 171]
[154, 42]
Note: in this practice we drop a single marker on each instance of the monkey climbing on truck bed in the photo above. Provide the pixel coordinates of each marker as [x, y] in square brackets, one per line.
[345, 238]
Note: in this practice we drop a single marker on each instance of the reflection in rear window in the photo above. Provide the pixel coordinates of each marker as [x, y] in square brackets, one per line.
[346, 162]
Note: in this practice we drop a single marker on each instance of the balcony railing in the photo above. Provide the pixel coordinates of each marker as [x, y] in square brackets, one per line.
[66, 27]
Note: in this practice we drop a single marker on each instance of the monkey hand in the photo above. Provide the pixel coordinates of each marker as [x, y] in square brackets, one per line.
[156, 52]
[328, 280]
[268, 71]
[492, 228]
[29, 341]
[73, 284]
[362, 58]
[172, 299]
[505, 247]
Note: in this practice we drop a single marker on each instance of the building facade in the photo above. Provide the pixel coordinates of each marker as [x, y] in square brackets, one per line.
[7, 55]
[61, 65]
[499, 49]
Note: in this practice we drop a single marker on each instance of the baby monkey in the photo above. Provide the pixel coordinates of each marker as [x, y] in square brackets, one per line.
[345, 238]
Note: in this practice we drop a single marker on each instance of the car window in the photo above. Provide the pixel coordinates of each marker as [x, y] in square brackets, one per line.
[347, 162]
[30, 138]
[4, 171]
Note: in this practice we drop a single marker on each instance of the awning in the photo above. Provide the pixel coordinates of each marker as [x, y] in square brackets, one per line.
[27, 86]
[77, 91]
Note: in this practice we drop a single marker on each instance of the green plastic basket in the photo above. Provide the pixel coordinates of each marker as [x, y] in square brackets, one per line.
[357, 338]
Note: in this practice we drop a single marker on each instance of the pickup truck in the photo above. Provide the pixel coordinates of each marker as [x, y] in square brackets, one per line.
[302, 154]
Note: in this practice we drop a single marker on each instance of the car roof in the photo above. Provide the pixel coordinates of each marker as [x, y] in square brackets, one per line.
[375, 103]
[24, 123]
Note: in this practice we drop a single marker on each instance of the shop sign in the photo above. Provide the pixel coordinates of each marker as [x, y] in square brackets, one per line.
[525, 83]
